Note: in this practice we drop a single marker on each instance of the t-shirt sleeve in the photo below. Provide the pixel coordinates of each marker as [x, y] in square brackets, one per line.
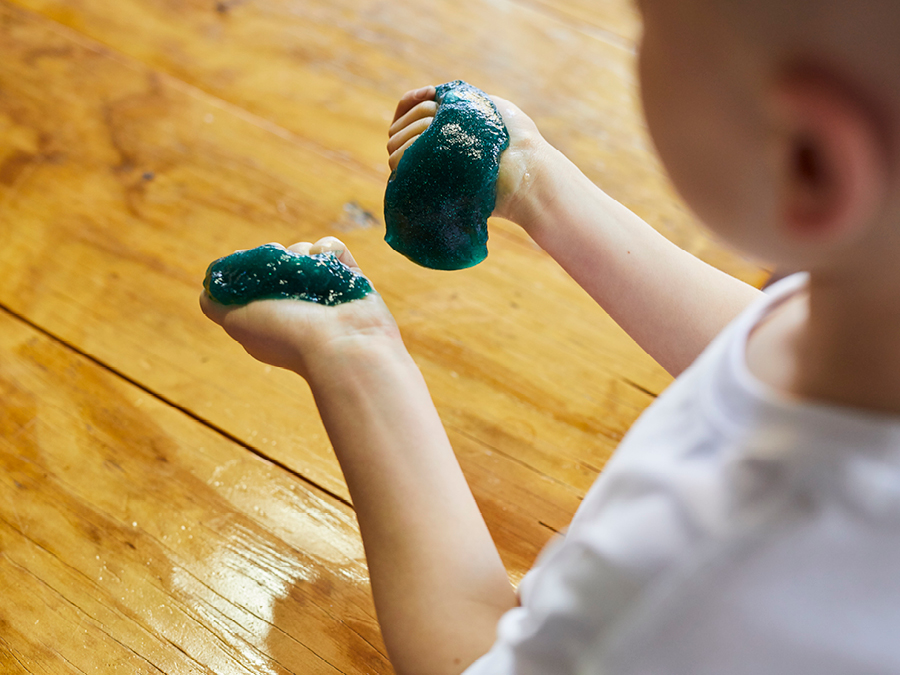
[818, 596]
[581, 587]
[645, 511]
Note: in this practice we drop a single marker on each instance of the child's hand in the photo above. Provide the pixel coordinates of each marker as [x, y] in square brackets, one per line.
[518, 163]
[301, 335]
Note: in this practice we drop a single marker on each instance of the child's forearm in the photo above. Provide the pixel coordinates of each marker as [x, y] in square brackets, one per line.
[670, 302]
[438, 582]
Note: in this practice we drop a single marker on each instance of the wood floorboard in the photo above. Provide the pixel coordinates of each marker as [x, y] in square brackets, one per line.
[108, 258]
[613, 21]
[186, 411]
[331, 72]
[134, 537]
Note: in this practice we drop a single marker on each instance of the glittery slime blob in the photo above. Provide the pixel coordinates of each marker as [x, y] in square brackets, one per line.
[270, 272]
[438, 200]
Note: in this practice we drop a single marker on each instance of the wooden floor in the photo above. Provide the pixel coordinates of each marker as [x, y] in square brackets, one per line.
[167, 504]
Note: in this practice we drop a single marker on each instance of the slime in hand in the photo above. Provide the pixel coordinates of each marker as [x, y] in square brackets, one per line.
[271, 272]
[438, 200]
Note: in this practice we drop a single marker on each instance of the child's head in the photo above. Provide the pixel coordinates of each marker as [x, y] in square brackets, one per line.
[779, 121]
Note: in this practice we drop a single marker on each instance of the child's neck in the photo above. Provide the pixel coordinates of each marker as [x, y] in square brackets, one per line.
[837, 342]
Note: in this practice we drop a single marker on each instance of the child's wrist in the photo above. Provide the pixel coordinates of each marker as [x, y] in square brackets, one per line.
[525, 201]
[345, 359]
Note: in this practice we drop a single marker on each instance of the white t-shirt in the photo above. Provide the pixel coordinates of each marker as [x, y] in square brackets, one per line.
[734, 531]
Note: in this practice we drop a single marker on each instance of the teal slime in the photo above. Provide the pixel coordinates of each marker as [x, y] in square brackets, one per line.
[270, 272]
[438, 200]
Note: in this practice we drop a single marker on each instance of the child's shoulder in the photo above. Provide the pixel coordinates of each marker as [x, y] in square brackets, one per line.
[719, 453]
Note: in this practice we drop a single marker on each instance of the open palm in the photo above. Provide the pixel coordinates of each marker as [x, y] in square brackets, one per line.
[297, 334]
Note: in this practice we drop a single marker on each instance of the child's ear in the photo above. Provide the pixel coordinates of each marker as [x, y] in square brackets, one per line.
[834, 160]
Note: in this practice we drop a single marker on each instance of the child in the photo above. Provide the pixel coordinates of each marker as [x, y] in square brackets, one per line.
[750, 521]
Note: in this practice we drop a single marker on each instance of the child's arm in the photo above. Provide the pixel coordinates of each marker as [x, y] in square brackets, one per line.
[439, 585]
[670, 302]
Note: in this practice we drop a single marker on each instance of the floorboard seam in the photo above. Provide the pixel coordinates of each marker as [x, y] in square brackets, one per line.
[194, 416]
[494, 448]
[549, 527]
[640, 388]
[9, 650]
[186, 609]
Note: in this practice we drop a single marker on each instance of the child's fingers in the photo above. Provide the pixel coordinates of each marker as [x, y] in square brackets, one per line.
[335, 245]
[301, 247]
[394, 159]
[412, 98]
[412, 119]
[212, 309]
[411, 132]
[326, 245]
[420, 111]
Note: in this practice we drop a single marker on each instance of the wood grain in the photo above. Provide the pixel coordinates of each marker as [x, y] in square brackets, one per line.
[108, 258]
[609, 20]
[134, 537]
[141, 140]
[331, 71]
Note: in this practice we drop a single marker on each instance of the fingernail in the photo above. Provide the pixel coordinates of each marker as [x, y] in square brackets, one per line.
[328, 247]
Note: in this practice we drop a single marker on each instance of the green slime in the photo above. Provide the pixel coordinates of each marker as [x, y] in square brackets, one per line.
[271, 272]
[438, 200]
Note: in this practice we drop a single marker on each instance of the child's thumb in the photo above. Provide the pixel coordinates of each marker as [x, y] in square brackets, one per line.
[335, 245]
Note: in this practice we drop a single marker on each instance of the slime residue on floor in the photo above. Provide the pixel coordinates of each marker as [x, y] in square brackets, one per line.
[438, 200]
[271, 272]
